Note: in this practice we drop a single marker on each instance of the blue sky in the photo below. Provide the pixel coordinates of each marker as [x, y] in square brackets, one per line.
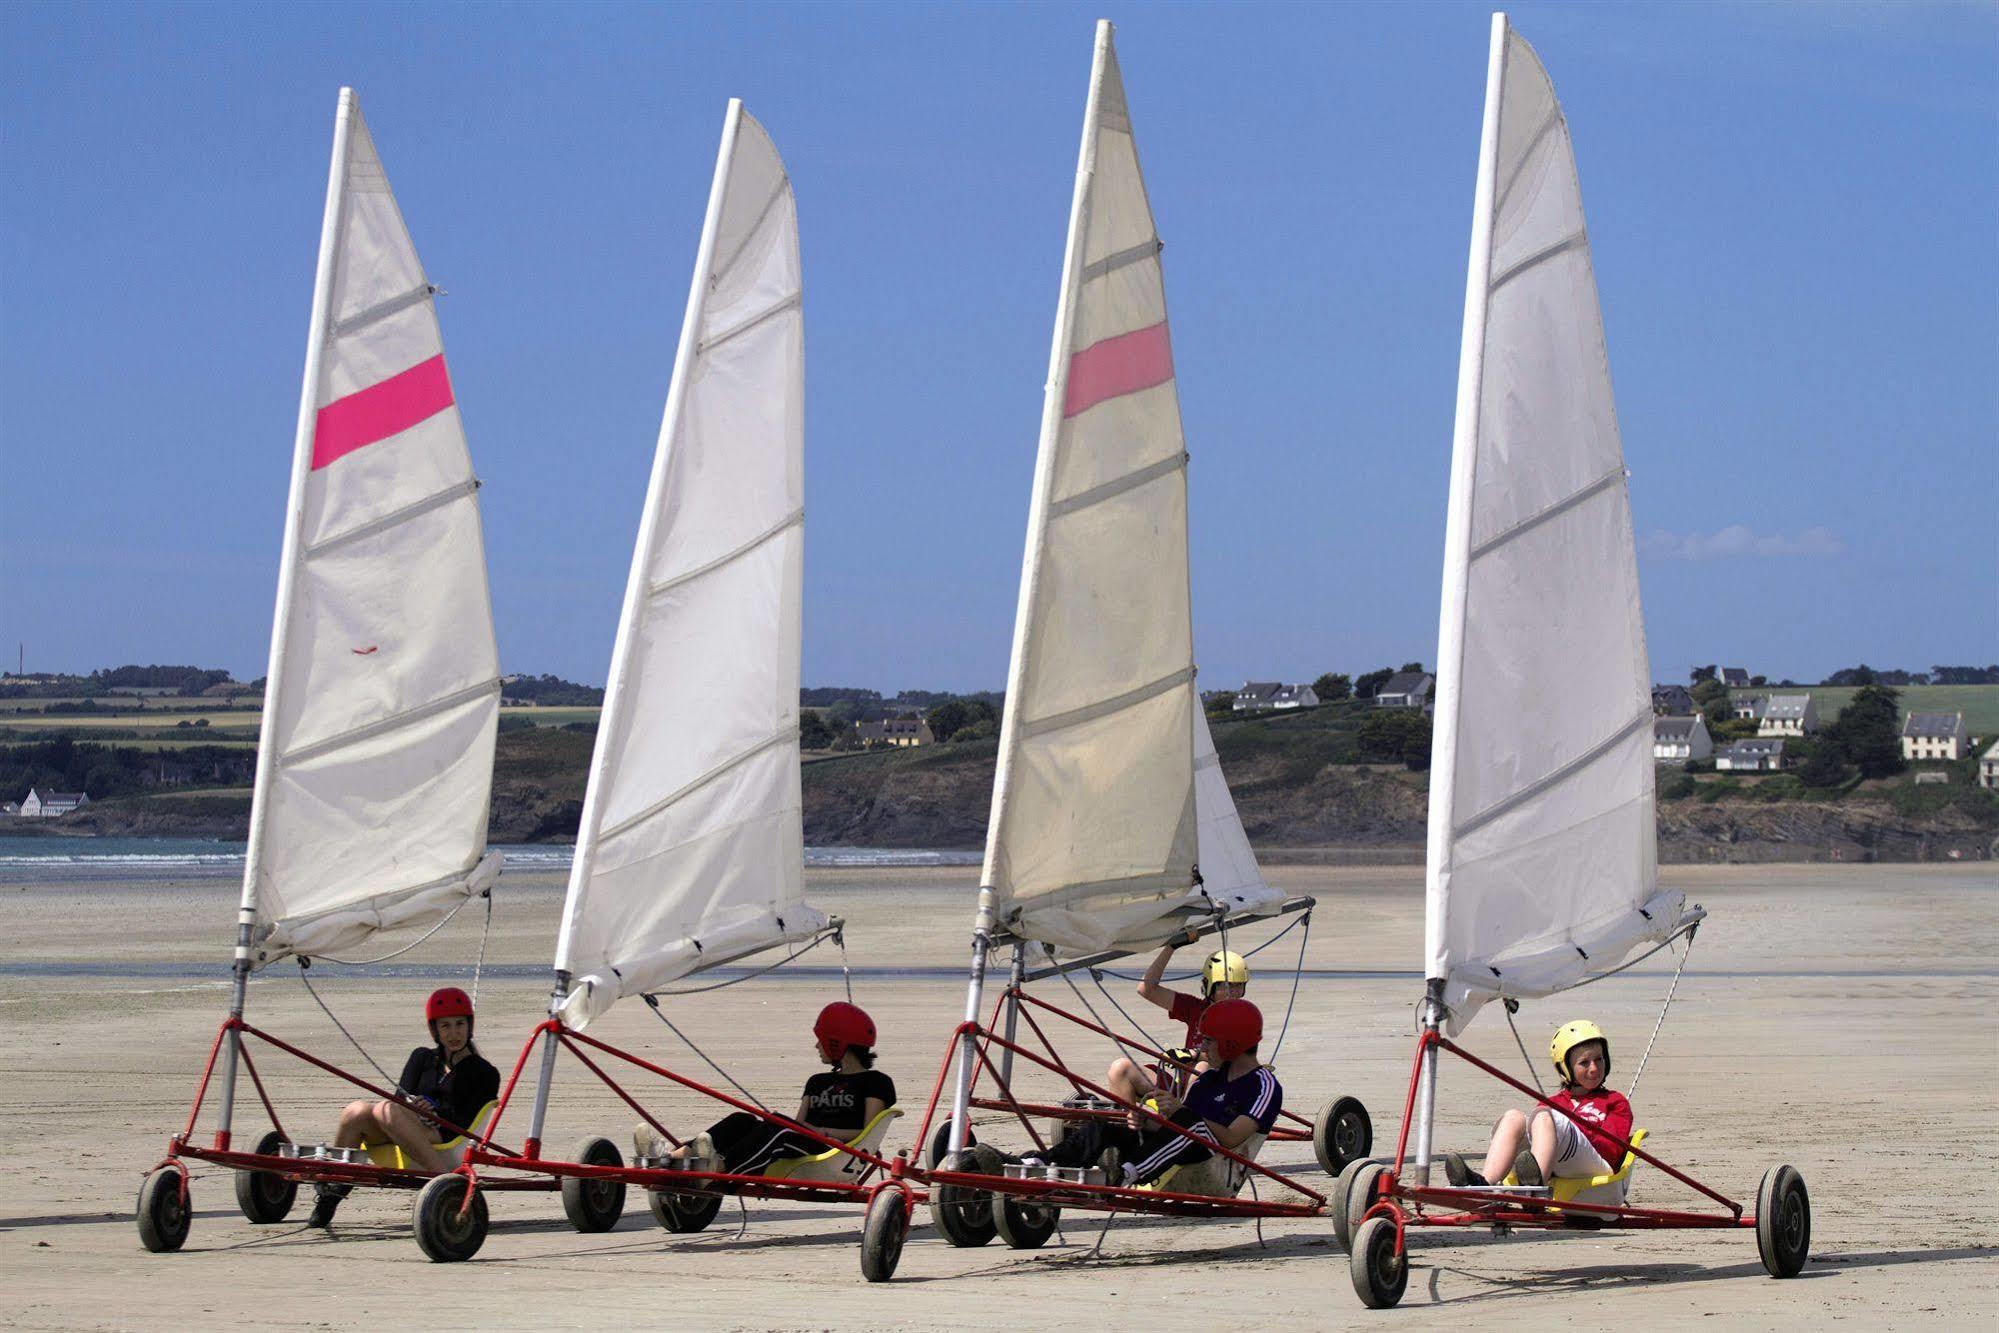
[1792, 208]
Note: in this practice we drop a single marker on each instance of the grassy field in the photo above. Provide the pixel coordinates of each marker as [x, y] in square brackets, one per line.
[1978, 703]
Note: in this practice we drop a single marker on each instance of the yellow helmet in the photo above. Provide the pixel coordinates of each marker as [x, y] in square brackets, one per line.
[1224, 968]
[1571, 1035]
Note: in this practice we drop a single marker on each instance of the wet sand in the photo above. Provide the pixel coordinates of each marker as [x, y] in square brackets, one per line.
[1835, 1018]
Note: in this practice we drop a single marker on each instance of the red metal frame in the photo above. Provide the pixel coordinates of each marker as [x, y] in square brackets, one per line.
[1408, 1204]
[1102, 1198]
[481, 1152]
[305, 1171]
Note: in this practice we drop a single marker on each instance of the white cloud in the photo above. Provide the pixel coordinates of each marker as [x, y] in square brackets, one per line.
[1738, 541]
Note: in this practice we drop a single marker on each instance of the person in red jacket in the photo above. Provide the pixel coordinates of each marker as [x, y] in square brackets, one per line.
[1546, 1144]
[1224, 976]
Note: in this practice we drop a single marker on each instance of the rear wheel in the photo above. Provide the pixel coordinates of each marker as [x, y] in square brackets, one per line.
[1783, 1221]
[594, 1203]
[963, 1214]
[163, 1213]
[1340, 1207]
[1380, 1275]
[1022, 1223]
[265, 1196]
[1360, 1196]
[887, 1226]
[1343, 1133]
[449, 1227]
[684, 1213]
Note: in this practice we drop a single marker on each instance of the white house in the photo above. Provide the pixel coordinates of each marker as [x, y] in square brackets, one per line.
[1404, 689]
[1757, 756]
[1735, 678]
[1788, 715]
[1672, 701]
[1934, 736]
[1747, 707]
[1988, 768]
[1675, 740]
[901, 732]
[1257, 695]
[47, 805]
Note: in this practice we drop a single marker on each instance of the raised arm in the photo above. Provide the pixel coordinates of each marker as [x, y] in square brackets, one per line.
[1149, 987]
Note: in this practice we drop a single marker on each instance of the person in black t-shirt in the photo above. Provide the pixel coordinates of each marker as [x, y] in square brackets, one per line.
[448, 1083]
[839, 1103]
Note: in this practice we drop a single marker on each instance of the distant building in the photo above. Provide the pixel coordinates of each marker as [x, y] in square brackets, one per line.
[10, 808]
[901, 732]
[1735, 678]
[1757, 756]
[1788, 715]
[1933, 777]
[1672, 700]
[1988, 768]
[1405, 689]
[47, 805]
[1747, 707]
[1257, 696]
[1934, 736]
[1675, 740]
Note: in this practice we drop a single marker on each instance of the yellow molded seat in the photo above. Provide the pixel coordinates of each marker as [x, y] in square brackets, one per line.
[389, 1155]
[1215, 1175]
[835, 1164]
[1609, 1188]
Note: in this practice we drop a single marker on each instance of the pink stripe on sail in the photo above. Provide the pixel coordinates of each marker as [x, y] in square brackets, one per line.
[381, 410]
[1117, 366]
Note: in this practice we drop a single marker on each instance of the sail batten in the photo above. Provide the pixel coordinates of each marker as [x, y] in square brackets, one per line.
[1543, 694]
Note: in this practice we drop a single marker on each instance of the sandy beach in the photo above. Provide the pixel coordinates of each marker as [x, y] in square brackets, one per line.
[1834, 1018]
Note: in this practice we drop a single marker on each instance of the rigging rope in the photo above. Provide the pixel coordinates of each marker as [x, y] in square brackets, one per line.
[817, 940]
[846, 973]
[1097, 976]
[1297, 972]
[480, 965]
[1189, 976]
[1117, 1047]
[1512, 1006]
[303, 964]
[653, 1002]
[1662, 1011]
[442, 923]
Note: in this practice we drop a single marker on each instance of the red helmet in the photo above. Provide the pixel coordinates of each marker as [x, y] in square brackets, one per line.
[448, 1002]
[1234, 1026]
[841, 1025]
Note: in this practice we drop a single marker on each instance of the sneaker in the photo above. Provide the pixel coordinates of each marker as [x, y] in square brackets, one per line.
[649, 1142]
[701, 1149]
[1033, 1161]
[1458, 1173]
[325, 1204]
[1525, 1169]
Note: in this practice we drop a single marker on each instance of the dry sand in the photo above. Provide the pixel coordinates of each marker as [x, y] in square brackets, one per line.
[1835, 1018]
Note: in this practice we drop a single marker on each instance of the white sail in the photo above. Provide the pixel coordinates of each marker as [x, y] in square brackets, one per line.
[1092, 833]
[1229, 874]
[1542, 862]
[691, 850]
[376, 758]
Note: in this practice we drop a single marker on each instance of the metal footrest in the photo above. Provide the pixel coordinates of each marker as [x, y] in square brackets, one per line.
[1089, 1102]
[1060, 1175]
[1516, 1191]
[705, 1165]
[325, 1152]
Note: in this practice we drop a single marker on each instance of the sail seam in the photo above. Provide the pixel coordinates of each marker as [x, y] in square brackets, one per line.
[381, 310]
[1554, 510]
[375, 904]
[1105, 707]
[1560, 775]
[791, 520]
[393, 519]
[785, 736]
[1118, 486]
[1542, 256]
[1552, 119]
[1131, 255]
[393, 722]
[763, 214]
[790, 302]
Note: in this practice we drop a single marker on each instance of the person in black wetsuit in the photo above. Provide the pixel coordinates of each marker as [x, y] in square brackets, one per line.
[449, 1083]
[839, 1104]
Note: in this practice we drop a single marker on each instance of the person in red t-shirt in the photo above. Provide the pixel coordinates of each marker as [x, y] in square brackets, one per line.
[1546, 1144]
[1224, 976]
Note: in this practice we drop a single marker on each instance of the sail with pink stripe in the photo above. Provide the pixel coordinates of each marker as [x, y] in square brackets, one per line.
[1095, 831]
[383, 695]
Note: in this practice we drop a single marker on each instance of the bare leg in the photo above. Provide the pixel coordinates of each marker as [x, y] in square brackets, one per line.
[1130, 1082]
[411, 1134]
[357, 1125]
[1507, 1136]
[1542, 1133]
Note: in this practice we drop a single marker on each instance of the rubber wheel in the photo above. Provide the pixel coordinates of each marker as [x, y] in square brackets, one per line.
[684, 1213]
[965, 1215]
[265, 1196]
[883, 1233]
[163, 1215]
[1360, 1197]
[594, 1204]
[940, 1142]
[446, 1230]
[1380, 1275]
[1341, 1208]
[1343, 1133]
[1783, 1221]
[1022, 1224]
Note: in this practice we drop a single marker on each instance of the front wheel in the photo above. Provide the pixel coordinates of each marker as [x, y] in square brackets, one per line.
[962, 1213]
[594, 1203]
[684, 1213]
[164, 1211]
[449, 1227]
[1342, 1133]
[1783, 1221]
[1022, 1223]
[265, 1196]
[940, 1142]
[883, 1233]
[1380, 1275]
